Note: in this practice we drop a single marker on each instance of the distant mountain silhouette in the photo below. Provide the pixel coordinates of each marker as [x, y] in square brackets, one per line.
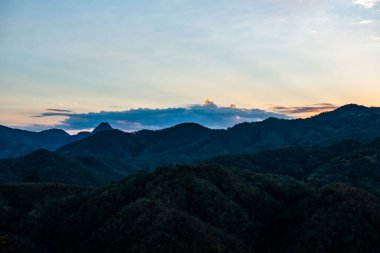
[116, 143]
[15, 142]
[191, 142]
[113, 154]
[104, 126]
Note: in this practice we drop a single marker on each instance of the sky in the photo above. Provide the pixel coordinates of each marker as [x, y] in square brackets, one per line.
[72, 64]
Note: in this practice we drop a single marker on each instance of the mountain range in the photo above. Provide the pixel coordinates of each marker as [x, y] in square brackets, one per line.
[107, 154]
[16, 142]
[293, 186]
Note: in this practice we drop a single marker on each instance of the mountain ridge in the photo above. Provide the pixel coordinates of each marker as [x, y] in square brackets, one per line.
[192, 140]
[358, 122]
[18, 142]
[113, 154]
[103, 126]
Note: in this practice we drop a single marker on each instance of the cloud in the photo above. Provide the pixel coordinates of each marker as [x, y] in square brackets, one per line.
[54, 112]
[375, 38]
[58, 110]
[364, 22]
[207, 114]
[366, 3]
[311, 109]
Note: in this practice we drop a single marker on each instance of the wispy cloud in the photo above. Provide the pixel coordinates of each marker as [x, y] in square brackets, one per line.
[53, 112]
[375, 38]
[58, 110]
[309, 109]
[207, 114]
[366, 3]
[364, 22]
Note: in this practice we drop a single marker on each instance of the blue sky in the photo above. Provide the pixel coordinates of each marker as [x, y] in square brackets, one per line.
[92, 56]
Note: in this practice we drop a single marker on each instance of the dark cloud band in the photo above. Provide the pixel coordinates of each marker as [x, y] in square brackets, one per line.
[208, 114]
[316, 108]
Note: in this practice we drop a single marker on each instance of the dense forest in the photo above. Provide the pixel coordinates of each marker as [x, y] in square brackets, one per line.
[199, 208]
[274, 186]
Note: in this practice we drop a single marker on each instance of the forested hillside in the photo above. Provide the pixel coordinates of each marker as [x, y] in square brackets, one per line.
[192, 209]
[349, 162]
